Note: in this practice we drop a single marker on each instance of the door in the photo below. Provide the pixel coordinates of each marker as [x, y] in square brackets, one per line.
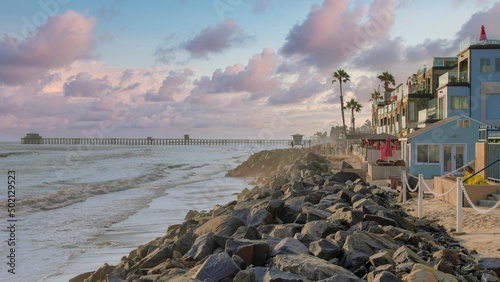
[453, 158]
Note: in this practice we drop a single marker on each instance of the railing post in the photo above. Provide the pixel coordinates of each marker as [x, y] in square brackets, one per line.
[459, 204]
[403, 187]
[420, 195]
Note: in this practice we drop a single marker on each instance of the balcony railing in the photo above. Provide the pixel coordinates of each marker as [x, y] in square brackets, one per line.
[420, 89]
[474, 40]
[442, 62]
[453, 76]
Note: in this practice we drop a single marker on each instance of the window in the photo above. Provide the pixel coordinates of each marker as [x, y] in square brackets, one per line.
[459, 103]
[411, 111]
[428, 154]
[497, 64]
[485, 65]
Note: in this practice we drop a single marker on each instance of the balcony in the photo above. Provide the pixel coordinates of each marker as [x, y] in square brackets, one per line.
[420, 89]
[453, 76]
[432, 109]
[474, 40]
[442, 62]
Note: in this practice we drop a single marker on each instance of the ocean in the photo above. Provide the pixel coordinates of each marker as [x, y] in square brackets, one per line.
[78, 207]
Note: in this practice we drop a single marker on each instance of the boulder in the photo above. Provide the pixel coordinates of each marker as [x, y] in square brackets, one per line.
[203, 246]
[490, 264]
[152, 259]
[351, 217]
[381, 258]
[224, 225]
[216, 268]
[246, 232]
[319, 229]
[254, 216]
[363, 203]
[344, 176]
[405, 254]
[275, 275]
[285, 230]
[380, 220]
[421, 272]
[309, 267]
[184, 243]
[100, 274]
[447, 255]
[325, 249]
[360, 246]
[254, 254]
[290, 246]
[253, 274]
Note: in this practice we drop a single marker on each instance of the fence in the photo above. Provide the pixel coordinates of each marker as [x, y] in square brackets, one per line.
[493, 171]
[458, 185]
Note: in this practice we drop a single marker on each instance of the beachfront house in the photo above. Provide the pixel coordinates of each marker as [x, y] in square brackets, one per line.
[442, 147]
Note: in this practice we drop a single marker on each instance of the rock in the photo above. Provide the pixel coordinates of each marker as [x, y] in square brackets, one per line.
[342, 278]
[288, 214]
[191, 214]
[100, 274]
[111, 278]
[246, 232]
[351, 217]
[490, 264]
[203, 246]
[343, 176]
[363, 203]
[285, 230]
[217, 267]
[419, 276]
[152, 259]
[325, 249]
[381, 258]
[253, 217]
[81, 277]
[224, 225]
[360, 246]
[346, 165]
[346, 195]
[309, 267]
[184, 243]
[290, 246]
[489, 277]
[443, 266]
[385, 276]
[438, 275]
[274, 206]
[449, 256]
[275, 275]
[254, 254]
[240, 263]
[405, 254]
[319, 229]
[249, 274]
[380, 220]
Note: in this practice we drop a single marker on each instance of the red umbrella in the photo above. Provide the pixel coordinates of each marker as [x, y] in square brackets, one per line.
[396, 146]
[378, 145]
[483, 34]
[382, 153]
[388, 148]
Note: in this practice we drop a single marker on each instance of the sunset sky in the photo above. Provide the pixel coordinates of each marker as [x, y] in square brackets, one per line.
[212, 69]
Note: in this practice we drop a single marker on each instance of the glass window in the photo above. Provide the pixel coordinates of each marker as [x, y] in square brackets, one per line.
[459, 103]
[428, 154]
[485, 65]
[497, 64]
[411, 111]
[422, 155]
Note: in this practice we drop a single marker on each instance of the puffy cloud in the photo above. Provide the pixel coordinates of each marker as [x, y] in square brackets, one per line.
[105, 37]
[332, 33]
[173, 84]
[59, 42]
[488, 18]
[83, 85]
[216, 39]
[257, 76]
[303, 88]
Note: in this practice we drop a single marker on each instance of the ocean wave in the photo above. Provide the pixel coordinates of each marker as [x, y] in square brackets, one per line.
[80, 192]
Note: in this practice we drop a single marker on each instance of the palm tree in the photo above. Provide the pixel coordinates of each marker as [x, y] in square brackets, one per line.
[376, 96]
[342, 77]
[387, 79]
[353, 105]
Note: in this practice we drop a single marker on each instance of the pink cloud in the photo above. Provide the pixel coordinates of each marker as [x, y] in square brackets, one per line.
[83, 85]
[174, 83]
[59, 42]
[332, 33]
[216, 39]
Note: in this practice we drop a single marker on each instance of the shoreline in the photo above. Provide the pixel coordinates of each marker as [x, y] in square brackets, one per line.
[301, 215]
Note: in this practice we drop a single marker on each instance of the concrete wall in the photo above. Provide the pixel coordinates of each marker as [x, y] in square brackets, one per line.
[373, 155]
[481, 159]
[475, 192]
[383, 172]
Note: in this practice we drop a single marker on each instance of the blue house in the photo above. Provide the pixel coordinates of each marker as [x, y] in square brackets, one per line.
[441, 147]
[473, 88]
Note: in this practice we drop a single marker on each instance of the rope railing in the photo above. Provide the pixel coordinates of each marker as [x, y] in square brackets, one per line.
[474, 206]
[460, 191]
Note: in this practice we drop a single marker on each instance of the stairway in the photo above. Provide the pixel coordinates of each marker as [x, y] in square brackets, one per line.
[491, 200]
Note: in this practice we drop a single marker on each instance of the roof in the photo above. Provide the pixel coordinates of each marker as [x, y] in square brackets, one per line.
[358, 136]
[439, 123]
[381, 137]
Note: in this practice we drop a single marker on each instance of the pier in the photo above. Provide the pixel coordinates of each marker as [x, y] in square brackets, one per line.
[147, 141]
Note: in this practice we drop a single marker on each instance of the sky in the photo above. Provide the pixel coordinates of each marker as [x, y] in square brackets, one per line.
[212, 69]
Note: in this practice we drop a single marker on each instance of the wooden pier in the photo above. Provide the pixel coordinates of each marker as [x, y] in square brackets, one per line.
[151, 141]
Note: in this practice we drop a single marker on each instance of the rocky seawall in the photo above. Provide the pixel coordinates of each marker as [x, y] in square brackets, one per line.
[302, 222]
